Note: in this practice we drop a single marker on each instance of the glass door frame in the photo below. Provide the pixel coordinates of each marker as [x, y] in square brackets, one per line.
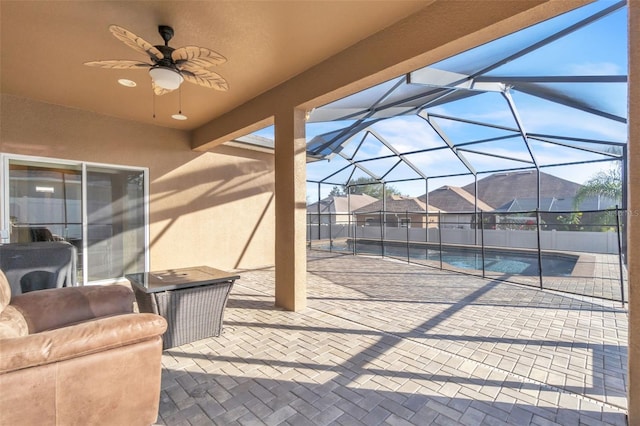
[5, 203]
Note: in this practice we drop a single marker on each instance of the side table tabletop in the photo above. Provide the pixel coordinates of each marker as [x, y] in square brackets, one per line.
[192, 300]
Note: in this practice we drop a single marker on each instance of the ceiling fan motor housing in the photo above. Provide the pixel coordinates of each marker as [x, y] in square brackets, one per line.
[166, 61]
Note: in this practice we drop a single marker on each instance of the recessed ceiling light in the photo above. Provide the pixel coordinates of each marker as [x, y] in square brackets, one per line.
[179, 117]
[48, 189]
[127, 83]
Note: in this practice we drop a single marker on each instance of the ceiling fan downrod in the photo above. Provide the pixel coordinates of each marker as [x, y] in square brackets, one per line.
[166, 32]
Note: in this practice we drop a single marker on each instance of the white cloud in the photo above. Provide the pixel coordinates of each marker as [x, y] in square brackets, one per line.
[595, 68]
[408, 134]
[569, 122]
[502, 117]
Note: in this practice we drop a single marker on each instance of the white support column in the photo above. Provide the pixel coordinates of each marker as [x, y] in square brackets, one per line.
[290, 187]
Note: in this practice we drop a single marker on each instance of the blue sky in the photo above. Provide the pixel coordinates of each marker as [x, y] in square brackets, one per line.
[598, 49]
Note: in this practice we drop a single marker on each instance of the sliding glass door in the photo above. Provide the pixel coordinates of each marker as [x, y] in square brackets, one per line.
[100, 209]
[115, 222]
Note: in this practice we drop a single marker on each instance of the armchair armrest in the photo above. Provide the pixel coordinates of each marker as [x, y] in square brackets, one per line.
[49, 309]
[78, 340]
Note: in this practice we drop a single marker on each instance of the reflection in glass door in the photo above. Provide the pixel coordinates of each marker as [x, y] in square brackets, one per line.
[45, 204]
[115, 222]
[107, 226]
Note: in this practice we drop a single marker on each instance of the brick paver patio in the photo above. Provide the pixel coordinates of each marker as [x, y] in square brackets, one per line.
[383, 342]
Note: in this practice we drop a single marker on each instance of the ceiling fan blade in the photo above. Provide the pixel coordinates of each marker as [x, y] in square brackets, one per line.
[137, 43]
[159, 90]
[194, 56]
[205, 78]
[118, 64]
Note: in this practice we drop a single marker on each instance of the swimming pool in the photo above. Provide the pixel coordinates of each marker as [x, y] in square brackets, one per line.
[509, 263]
[499, 261]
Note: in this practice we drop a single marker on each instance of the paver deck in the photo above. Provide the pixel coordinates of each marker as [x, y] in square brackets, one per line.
[383, 342]
[594, 274]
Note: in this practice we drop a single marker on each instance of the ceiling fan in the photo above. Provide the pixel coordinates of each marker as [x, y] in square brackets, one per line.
[169, 67]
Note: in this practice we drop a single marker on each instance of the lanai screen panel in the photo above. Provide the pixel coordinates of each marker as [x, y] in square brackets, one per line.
[554, 93]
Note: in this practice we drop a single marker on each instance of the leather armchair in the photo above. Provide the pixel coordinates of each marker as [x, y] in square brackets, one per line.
[78, 356]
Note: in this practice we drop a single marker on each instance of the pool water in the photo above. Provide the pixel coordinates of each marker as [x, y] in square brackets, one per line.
[516, 263]
[509, 263]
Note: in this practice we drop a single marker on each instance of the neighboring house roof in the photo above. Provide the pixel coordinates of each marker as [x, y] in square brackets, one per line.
[454, 199]
[396, 203]
[597, 202]
[553, 204]
[355, 201]
[501, 188]
[530, 204]
[340, 203]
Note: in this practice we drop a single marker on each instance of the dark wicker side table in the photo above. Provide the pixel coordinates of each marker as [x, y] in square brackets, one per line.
[192, 300]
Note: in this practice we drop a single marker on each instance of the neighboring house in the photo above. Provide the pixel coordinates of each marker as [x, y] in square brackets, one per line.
[507, 192]
[553, 204]
[454, 199]
[400, 212]
[553, 212]
[500, 188]
[547, 204]
[513, 191]
[335, 209]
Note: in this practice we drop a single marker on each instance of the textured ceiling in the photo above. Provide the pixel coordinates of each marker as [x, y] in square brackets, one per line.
[45, 43]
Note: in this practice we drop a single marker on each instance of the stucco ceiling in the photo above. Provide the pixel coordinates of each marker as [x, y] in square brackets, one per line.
[45, 43]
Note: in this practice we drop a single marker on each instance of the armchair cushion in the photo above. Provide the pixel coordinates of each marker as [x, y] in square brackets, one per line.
[79, 340]
[54, 308]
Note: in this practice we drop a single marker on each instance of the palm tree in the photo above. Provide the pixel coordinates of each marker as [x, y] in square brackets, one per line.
[604, 183]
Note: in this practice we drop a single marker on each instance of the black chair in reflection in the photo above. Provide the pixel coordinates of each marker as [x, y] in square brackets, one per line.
[30, 233]
[41, 234]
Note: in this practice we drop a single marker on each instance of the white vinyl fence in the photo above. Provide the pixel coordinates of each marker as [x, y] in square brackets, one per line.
[577, 241]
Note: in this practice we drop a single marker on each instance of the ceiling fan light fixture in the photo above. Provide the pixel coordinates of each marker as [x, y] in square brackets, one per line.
[180, 117]
[167, 78]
